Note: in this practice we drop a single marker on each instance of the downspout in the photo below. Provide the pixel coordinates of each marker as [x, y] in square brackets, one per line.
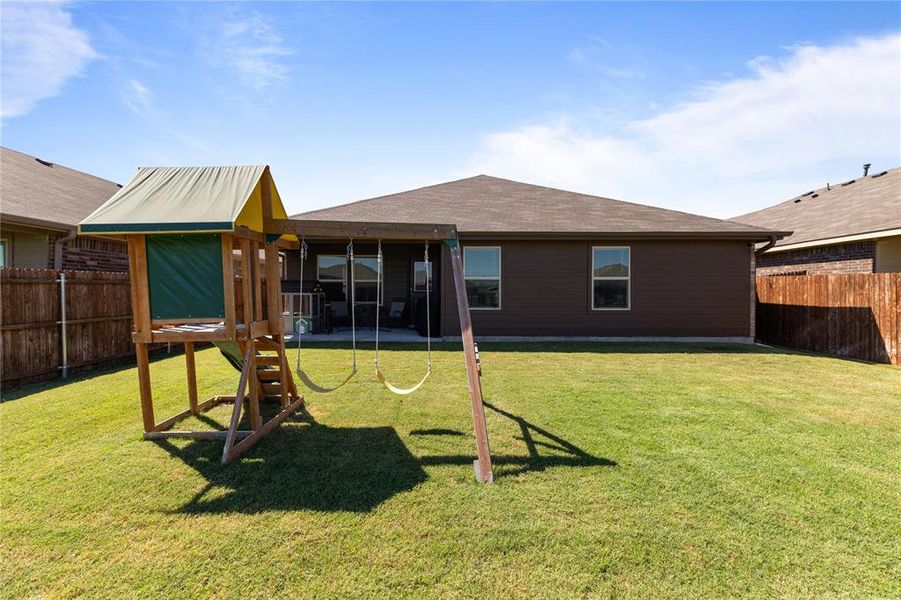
[767, 246]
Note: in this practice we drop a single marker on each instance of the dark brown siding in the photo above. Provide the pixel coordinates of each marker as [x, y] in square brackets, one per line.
[679, 288]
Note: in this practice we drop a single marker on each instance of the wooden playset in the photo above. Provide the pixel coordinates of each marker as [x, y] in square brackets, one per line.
[203, 247]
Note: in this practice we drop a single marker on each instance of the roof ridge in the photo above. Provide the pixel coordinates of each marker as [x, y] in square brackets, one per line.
[531, 185]
[373, 198]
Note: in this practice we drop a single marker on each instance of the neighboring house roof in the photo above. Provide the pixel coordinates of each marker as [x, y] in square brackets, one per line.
[44, 194]
[865, 207]
[192, 199]
[490, 206]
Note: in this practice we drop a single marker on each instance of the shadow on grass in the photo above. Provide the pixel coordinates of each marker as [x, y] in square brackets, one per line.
[563, 453]
[305, 465]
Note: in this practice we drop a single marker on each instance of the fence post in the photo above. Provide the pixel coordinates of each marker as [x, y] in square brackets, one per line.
[62, 314]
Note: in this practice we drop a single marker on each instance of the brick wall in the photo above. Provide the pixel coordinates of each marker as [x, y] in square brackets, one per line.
[93, 254]
[855, 257]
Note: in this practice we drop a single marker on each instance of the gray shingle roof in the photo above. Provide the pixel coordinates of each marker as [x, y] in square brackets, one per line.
[34, 192]
[863, 205]
[490, 205]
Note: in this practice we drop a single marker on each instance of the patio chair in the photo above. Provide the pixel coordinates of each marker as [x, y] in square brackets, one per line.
[395, 312]
[339, 314]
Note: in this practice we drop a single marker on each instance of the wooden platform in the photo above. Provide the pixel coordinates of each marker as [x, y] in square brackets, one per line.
[202, 332]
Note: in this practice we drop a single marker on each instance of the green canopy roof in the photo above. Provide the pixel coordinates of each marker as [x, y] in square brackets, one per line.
[185, 199]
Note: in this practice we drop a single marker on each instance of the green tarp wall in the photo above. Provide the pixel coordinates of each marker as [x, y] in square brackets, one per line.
[184, 273]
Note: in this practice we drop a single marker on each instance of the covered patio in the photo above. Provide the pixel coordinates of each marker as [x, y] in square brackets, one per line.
[321, 295]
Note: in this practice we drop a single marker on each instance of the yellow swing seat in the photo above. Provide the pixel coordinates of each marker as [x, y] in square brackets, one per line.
[401, 391]
[318, 388]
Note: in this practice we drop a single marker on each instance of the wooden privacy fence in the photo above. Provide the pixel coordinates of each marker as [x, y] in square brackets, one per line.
[849, 315]
[96, 321]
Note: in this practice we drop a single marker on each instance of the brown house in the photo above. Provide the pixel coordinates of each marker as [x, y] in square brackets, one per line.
[41, 204]
[543, 262]
[850, 227]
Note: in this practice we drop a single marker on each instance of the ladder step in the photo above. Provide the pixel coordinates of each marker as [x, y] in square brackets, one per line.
[269, 375]
[267, 359]
[272, 388]
[266, 344]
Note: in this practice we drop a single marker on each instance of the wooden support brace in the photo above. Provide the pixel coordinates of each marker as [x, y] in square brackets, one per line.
[239, 401]
[202, 407]
[270, 425]
[192, 376]
[194, 435]
[144, 385]
[484, 473]
[228, 285]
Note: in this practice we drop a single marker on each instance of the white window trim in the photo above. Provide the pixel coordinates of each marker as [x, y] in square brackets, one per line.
[380, 294]
[500, 273]
[627, 279]
[330, 281]
[430, 273]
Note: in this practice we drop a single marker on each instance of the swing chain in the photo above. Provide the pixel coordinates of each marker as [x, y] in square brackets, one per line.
[300, 325]
[428, 307]
[378, 295]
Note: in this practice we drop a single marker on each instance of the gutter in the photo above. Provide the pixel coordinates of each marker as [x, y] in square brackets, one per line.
[767, 246]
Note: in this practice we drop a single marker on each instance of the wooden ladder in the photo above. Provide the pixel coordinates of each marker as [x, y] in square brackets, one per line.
[272, 372]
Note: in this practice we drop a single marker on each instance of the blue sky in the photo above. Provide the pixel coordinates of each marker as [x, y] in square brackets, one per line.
[706, 107]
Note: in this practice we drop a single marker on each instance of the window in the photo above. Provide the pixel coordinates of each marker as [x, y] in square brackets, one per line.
[366, 279]
[421, 271]
[482, 272]
[2, 253]
[331, 271]
[610, 274]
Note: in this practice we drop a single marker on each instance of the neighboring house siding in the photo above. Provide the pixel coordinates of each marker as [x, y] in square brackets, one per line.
[679, 288]
[27, 249]
[856, 257]
[888, 255]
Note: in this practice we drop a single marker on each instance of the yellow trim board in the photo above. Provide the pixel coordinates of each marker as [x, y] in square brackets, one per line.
[836, 240]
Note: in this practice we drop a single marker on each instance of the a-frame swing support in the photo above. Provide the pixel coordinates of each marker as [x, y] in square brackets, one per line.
[312, 230]
[262, 329]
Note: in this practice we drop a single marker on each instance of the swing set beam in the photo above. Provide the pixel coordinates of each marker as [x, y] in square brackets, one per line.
[313, 230]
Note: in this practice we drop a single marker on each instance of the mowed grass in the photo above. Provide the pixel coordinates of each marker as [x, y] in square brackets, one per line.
[621, 470]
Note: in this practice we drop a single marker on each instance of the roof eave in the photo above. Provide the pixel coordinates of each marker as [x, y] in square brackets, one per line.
[39, 223]
[750, 236]
[830, 241]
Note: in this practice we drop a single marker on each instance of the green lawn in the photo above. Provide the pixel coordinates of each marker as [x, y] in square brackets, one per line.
[621, 470]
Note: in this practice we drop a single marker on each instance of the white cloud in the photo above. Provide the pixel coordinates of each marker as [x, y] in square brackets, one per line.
[42, 50]
[138, 98]
[250, 47]
[791, 124]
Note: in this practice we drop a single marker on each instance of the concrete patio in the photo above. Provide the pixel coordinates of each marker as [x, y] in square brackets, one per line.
[364, 334]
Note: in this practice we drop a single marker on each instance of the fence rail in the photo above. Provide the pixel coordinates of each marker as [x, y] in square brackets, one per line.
[97, 324]
[848, 315]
